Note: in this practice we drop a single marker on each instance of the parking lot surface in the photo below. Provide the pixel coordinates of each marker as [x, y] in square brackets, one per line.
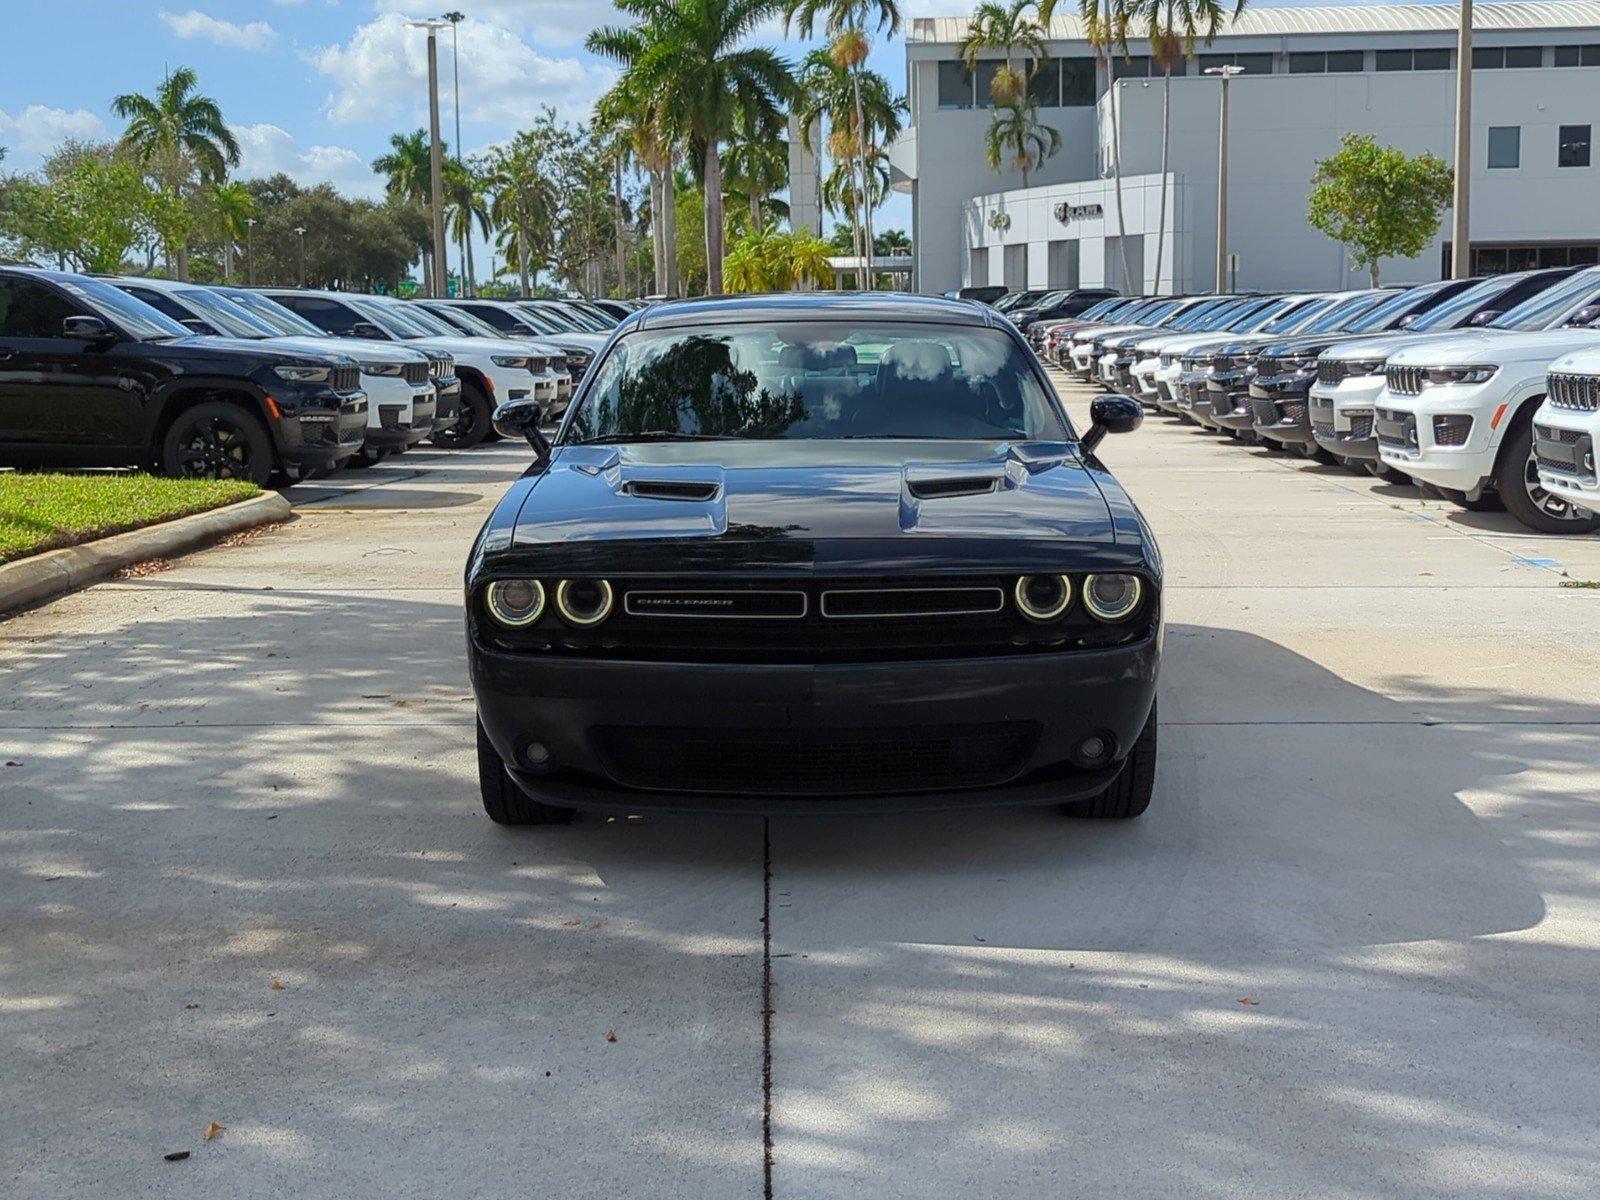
[1349, 952]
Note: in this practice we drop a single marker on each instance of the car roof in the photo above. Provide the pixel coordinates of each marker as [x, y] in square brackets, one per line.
[814, 306]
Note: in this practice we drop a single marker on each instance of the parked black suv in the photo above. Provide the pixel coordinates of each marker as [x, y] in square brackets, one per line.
[91, 377]
[1058, 305]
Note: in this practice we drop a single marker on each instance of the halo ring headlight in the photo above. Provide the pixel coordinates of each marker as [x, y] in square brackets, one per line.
[1113, 597]
[1042, 597]
[515, 602]
[584, 602]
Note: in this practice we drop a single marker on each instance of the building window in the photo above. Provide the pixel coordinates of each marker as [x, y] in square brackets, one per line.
[1505, 146]
[1494, 57]
[1573, 146]
[1253, 64]
[1413, 60]
[1044, 89]
[1137, 67]
[955, 85]
[1317, 62]
[1578, 56]
[1077, 82]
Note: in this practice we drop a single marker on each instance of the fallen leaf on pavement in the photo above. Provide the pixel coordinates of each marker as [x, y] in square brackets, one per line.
[211, 1131]
[277, 985]
[570, 921]
[176, 1156]
[611, 1035]
[597, 925]
[1249, 1001]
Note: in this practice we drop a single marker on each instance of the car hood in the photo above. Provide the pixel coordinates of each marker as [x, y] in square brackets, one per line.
[1494, 347]
[362, 348]
[1361, 348]
[1182, 343]
[470, 347]
[265, 350]
[805, 502]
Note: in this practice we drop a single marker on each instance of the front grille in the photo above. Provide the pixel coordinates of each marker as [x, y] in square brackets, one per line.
[1396, 429]
[1451, 430]
[1581, 392]
[416, 373]
[345, 379]
[1263, 412]
[866, 603]
[1404, 381]
[1330, 370]
[823, 762]
[717, 604]
[441, 367]
[389, 416]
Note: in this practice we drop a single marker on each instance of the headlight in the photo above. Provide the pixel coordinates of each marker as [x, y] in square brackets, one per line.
[1364, 366]
[390, 370]
[515, 602]
[1442, 376]
[515, 361]
[304, 374]
[583, 601]
[1043, 597]
[1112, 597]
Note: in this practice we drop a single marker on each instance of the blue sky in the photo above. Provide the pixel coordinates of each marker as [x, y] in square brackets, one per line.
[315, 87]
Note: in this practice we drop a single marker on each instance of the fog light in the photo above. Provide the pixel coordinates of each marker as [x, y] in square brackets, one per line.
[515, 602]
[1112, 597]
[1043, 597]
[536, 755]
[1096, 750]
[584, 601]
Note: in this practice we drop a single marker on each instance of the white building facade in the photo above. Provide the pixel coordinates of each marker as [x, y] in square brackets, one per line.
[1310, 75]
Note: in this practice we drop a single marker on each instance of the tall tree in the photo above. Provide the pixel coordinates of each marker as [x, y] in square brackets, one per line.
[629, 107]
[1173, 27]
[689, 57]
[847, 22]
[755, 165]
[522, 207]
[231, 207]
[408, 174]
[177, 134]
[1016, 135]
[465, 205]
[1017, 35]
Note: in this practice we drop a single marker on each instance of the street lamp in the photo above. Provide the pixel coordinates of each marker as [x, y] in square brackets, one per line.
[455, 19]
[1460, 248]
[249, 251]
[435, 155]
[1225, 73]
[300, 230]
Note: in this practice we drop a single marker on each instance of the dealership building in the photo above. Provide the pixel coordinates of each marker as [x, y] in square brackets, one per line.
[1307, 77]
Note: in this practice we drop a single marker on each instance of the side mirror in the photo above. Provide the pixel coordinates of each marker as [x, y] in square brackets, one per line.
[1484, 317]
[87, 329]
[1110, 414]
[1407, 321]
[1585, 316]
[196, 325]
[366, 329]
[521, 419]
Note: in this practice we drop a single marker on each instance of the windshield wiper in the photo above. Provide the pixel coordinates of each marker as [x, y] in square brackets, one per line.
[655, 435]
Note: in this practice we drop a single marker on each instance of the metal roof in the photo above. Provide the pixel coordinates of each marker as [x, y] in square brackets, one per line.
[1370, 19]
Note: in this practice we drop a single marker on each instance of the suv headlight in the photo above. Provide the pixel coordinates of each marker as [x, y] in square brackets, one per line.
[514, 361]
[389, 370]
[1443, 376]
[304, 374]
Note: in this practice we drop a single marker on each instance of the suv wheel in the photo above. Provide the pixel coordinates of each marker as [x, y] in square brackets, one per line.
[472, 424]
[217, 440]
[503, 800]
[1129, 795]
[1516, 478]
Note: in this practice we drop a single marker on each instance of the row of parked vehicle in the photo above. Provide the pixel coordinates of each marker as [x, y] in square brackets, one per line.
[227, 382]
[1485, 392]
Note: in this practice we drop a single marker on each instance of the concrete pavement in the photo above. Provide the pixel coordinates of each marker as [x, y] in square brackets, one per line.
[1375, 820]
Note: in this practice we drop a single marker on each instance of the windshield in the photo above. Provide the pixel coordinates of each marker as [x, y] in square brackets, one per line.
[1268, 312]
[134, 317]
[398, 319]
[1104, 308]
[1296, 319]
[467, 323]
[1337, 318]
[218, 313]
[1201, 315]
[1553, 305]
[1232, 315]
[601, 319]
[817, 379]
[1385, 315]
[561, 321]
[273, 315]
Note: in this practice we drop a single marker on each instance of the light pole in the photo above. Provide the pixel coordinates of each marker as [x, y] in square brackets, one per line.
[441, 268]
[1225, 73]
[455, 19]
[1460, 246]
[249, 251]
[301, 231]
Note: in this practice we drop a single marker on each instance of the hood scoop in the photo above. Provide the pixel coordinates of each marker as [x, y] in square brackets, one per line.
[948, 488]
[689, 491]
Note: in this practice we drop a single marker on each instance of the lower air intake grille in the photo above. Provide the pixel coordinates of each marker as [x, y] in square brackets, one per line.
[821, 763]
[1451, 431]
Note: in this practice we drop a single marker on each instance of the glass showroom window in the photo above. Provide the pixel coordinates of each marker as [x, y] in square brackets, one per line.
[1505, 147]
[1573, 146]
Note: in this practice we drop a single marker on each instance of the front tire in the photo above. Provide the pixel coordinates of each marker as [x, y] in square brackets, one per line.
[472, 424]
[1516, 479]
[503, 800]
[217, 440]
[1129, 795]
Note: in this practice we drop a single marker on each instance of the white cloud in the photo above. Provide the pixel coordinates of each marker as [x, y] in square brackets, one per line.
[37, 130]
[552, 22]
[267, 149]
[381, 74]
[257, 35]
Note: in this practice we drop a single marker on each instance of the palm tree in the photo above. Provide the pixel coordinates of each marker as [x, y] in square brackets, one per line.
[465, 205]
[827, 92]
[1173, 26]
[1017, 132]
[1015, 34]
[841, 192]
[627, 107]
[846, 22]
[688, 59]
[174, 133]
[520, 204]
[755, 165]
[409, 170]
[232, 206]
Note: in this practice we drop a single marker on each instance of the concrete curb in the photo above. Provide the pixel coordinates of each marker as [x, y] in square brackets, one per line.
[29, 581]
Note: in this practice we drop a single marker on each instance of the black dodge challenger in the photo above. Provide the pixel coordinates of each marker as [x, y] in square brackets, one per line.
[815, 553]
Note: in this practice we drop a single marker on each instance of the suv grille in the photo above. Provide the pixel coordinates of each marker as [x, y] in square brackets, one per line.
[1575, 391]
[416, 373]
[820, 763]
[1404, 381]
[442, 367]
[1396, 429]
[1330, 370]
[345, 379]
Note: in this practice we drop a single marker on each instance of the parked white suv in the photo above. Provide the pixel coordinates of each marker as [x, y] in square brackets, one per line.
[1566, 430]
[1457, 415]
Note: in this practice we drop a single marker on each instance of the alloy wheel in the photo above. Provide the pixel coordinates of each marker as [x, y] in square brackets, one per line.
[215, 448]
[1545, 501]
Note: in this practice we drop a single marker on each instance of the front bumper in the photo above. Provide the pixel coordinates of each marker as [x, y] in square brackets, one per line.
[1229, 393]
[313, 440]
[447, 406]
[1564, 442]
[1280, 409]
[1405, 426]
[1341, 416]
[571, 707]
